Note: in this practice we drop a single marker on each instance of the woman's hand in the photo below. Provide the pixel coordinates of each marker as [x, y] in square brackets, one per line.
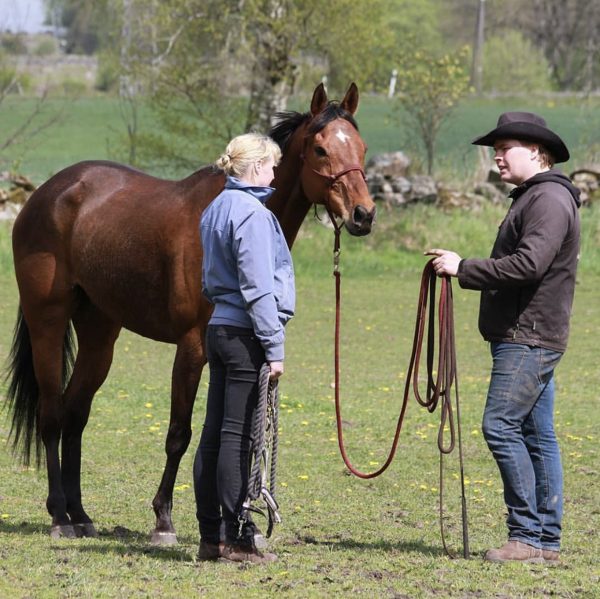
[446, 262]
[276, 370]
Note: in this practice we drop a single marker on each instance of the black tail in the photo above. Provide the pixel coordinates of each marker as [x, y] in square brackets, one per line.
[23, 393]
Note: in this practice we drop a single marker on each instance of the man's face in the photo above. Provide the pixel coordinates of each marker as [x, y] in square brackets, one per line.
[516, 160]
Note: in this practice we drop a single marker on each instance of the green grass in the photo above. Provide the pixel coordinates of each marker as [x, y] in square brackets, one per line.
[92, 128]
[340, 535]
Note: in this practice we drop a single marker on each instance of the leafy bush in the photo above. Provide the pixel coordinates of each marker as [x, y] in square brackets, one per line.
[46, 47]
[13, 43]
[522, 65]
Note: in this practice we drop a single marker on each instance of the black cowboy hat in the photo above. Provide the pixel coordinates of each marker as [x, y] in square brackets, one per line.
[525, 126]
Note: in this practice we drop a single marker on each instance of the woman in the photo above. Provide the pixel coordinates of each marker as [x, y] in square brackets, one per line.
[247, 274]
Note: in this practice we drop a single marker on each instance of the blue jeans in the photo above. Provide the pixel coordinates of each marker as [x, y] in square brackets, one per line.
[519, 429]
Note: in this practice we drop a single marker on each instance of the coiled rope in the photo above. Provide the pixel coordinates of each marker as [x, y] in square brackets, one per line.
[263, 453]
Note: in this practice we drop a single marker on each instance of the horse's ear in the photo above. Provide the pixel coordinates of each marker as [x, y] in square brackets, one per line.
[350, 101]
[319, 100]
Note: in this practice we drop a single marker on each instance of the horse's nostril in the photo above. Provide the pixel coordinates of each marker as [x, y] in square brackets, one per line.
[362, 215]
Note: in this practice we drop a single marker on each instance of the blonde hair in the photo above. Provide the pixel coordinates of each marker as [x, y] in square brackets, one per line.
[245, 150]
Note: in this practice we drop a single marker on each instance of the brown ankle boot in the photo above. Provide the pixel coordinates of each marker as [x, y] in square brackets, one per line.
[209, 551]
[515, 551]
[247, 553]
[551, 556]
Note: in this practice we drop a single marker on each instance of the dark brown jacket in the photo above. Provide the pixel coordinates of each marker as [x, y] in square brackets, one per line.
[528, 282]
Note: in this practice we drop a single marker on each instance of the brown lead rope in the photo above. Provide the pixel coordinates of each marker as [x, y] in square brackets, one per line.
[437, 388]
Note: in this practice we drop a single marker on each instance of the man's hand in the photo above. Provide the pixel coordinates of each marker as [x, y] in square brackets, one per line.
[446, 262]
[276, 370]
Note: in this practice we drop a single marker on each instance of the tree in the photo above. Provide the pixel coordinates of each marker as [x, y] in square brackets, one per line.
[528, 67]
[568, 31]
[215, 68]
[429, 89]
[83, 21]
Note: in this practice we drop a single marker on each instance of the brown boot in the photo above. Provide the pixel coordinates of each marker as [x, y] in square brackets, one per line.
[209, 552]
[515, 551]
[550, 556]
[247, 553]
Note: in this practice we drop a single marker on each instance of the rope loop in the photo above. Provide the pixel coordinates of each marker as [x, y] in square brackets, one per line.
[440, 379]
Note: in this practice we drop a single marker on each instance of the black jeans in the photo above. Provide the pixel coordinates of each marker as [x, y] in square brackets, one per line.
[222, 462]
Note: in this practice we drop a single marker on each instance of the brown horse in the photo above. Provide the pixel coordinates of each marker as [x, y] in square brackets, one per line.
[102, 246]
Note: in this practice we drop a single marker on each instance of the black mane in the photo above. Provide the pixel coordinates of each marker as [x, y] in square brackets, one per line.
[289, 121]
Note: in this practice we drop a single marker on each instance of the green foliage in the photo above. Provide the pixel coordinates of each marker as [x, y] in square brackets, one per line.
[8, 79]
[85, 22]
[107, 76]
[13, 43]
[430, 87]
[512, 62]
[46, 46]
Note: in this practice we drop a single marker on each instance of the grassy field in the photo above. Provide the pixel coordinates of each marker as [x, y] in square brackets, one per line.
[340, 535]
[92, 128]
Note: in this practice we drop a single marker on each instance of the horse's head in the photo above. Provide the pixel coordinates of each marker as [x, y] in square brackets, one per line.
[333, 156]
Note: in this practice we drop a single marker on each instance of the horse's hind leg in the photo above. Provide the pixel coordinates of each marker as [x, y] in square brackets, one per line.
[47, 324]
[96, 336]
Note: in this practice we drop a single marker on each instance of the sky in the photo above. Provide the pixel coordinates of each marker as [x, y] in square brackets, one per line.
[21, 15]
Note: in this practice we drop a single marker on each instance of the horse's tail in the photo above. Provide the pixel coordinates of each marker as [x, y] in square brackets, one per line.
[23, 392]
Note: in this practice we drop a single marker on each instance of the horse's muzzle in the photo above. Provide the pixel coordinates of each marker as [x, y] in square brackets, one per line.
[362, 220]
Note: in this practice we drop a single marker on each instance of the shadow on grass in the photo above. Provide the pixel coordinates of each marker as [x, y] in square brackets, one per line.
[351, 544]
[126, 542]
[120, 541]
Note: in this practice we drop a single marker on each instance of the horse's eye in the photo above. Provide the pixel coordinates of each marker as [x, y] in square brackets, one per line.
[319, 151]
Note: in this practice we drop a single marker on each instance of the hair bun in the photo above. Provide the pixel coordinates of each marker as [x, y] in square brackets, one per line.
[224, 162]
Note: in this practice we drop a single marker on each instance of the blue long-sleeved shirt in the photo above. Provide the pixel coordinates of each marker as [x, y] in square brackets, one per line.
[247, 270]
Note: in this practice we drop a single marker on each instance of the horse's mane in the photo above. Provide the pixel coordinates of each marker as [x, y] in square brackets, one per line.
[289, 121]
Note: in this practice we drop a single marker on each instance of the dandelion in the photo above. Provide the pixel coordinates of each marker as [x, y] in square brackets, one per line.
[182, 487]
[303, 476]
[148, 405]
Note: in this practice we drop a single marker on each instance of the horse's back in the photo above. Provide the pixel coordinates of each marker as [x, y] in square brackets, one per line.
[128, 239]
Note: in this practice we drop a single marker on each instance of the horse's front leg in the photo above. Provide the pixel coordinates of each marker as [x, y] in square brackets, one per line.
[187, 369]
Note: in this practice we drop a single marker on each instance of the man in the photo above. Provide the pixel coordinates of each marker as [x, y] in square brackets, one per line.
[527, 290]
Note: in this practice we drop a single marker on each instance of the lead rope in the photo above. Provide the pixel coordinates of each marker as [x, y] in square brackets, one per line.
[263, 452]
[438, 388]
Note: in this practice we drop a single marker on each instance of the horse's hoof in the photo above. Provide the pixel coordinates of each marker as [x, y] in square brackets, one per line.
[62, 531]
[86, 529]
[163, 539]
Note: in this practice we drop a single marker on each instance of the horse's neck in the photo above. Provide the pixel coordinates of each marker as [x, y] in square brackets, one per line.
[288, 202]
